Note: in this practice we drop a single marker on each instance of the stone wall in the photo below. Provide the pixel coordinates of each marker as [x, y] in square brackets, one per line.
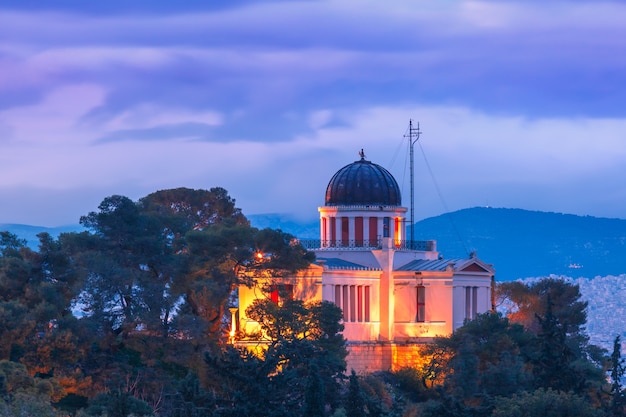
[365, 357]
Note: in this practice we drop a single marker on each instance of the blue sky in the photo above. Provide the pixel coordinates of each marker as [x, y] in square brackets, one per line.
[521, 103]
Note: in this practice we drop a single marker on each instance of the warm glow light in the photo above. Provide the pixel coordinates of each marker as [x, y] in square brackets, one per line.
[398, 231]
[233, 324]
[259, 255]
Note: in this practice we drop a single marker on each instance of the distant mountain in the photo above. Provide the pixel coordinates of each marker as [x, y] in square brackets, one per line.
[29, 233]
[522, 243]
[519, 243]
[287, 223]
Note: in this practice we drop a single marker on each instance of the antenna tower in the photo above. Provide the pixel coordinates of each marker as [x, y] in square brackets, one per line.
[413, 136]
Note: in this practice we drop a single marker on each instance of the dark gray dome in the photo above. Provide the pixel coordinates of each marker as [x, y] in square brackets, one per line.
[363, 183]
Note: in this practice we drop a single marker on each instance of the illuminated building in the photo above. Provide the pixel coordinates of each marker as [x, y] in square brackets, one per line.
[395, 294]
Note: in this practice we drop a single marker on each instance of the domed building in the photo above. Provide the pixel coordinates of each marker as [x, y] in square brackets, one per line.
[395, 294]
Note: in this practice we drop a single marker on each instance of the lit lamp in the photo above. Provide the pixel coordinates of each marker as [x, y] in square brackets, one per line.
[233, 312]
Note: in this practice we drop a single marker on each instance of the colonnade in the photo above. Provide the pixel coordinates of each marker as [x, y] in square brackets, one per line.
[339, 229]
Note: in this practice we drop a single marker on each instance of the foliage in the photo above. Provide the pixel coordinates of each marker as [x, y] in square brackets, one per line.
[355, 404]
[128, 319]
[411, 380]
[314, 399]
[544, 403]
[36, 288]
[117, 403]
[618, 397]
[486, 358]
[298, 369]
[522, 302]
[25, 404]
[493, 357]
[136, 300]
[24, 395]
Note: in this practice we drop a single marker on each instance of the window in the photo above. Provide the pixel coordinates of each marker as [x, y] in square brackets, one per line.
[373, 232]
[358, 231]
[281, 292]
[385, 226]
[366, 304]
[420, 315]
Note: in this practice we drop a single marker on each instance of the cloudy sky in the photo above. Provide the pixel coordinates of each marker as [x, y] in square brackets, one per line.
[522, 104]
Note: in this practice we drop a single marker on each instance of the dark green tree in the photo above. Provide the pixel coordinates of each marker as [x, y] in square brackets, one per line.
[552, 310]
[558, 366]
[314, 399]
[545, 403]
[299, 332]
[618, 398]
[16, 322]
[523, 301]
[355, 404]
[189, 400]
[297, 360]
[486, 357]
[553, 367]
[247, 385]
[23, 394]
[117, 403]
[36, 291]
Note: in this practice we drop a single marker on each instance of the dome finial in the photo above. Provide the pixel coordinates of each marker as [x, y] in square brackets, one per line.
[362, 155]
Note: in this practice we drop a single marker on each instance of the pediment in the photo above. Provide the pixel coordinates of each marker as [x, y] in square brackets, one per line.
[474, 267]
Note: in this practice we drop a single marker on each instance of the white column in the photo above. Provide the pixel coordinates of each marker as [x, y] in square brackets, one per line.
[345, 302]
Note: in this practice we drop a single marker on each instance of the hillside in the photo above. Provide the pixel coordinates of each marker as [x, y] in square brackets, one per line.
[519, 243]
[523, 243]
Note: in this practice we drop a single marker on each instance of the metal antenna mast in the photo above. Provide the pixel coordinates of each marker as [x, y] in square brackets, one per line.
[414, 135]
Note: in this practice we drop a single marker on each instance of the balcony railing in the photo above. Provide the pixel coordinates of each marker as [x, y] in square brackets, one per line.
[342, 244]
[418, 245]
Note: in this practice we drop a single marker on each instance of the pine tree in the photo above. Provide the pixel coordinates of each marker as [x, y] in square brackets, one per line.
[553, 367]
[314, 394]
[355, 406]
[618, 399]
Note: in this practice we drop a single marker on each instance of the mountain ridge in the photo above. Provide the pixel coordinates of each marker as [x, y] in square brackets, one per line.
[519, 243]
